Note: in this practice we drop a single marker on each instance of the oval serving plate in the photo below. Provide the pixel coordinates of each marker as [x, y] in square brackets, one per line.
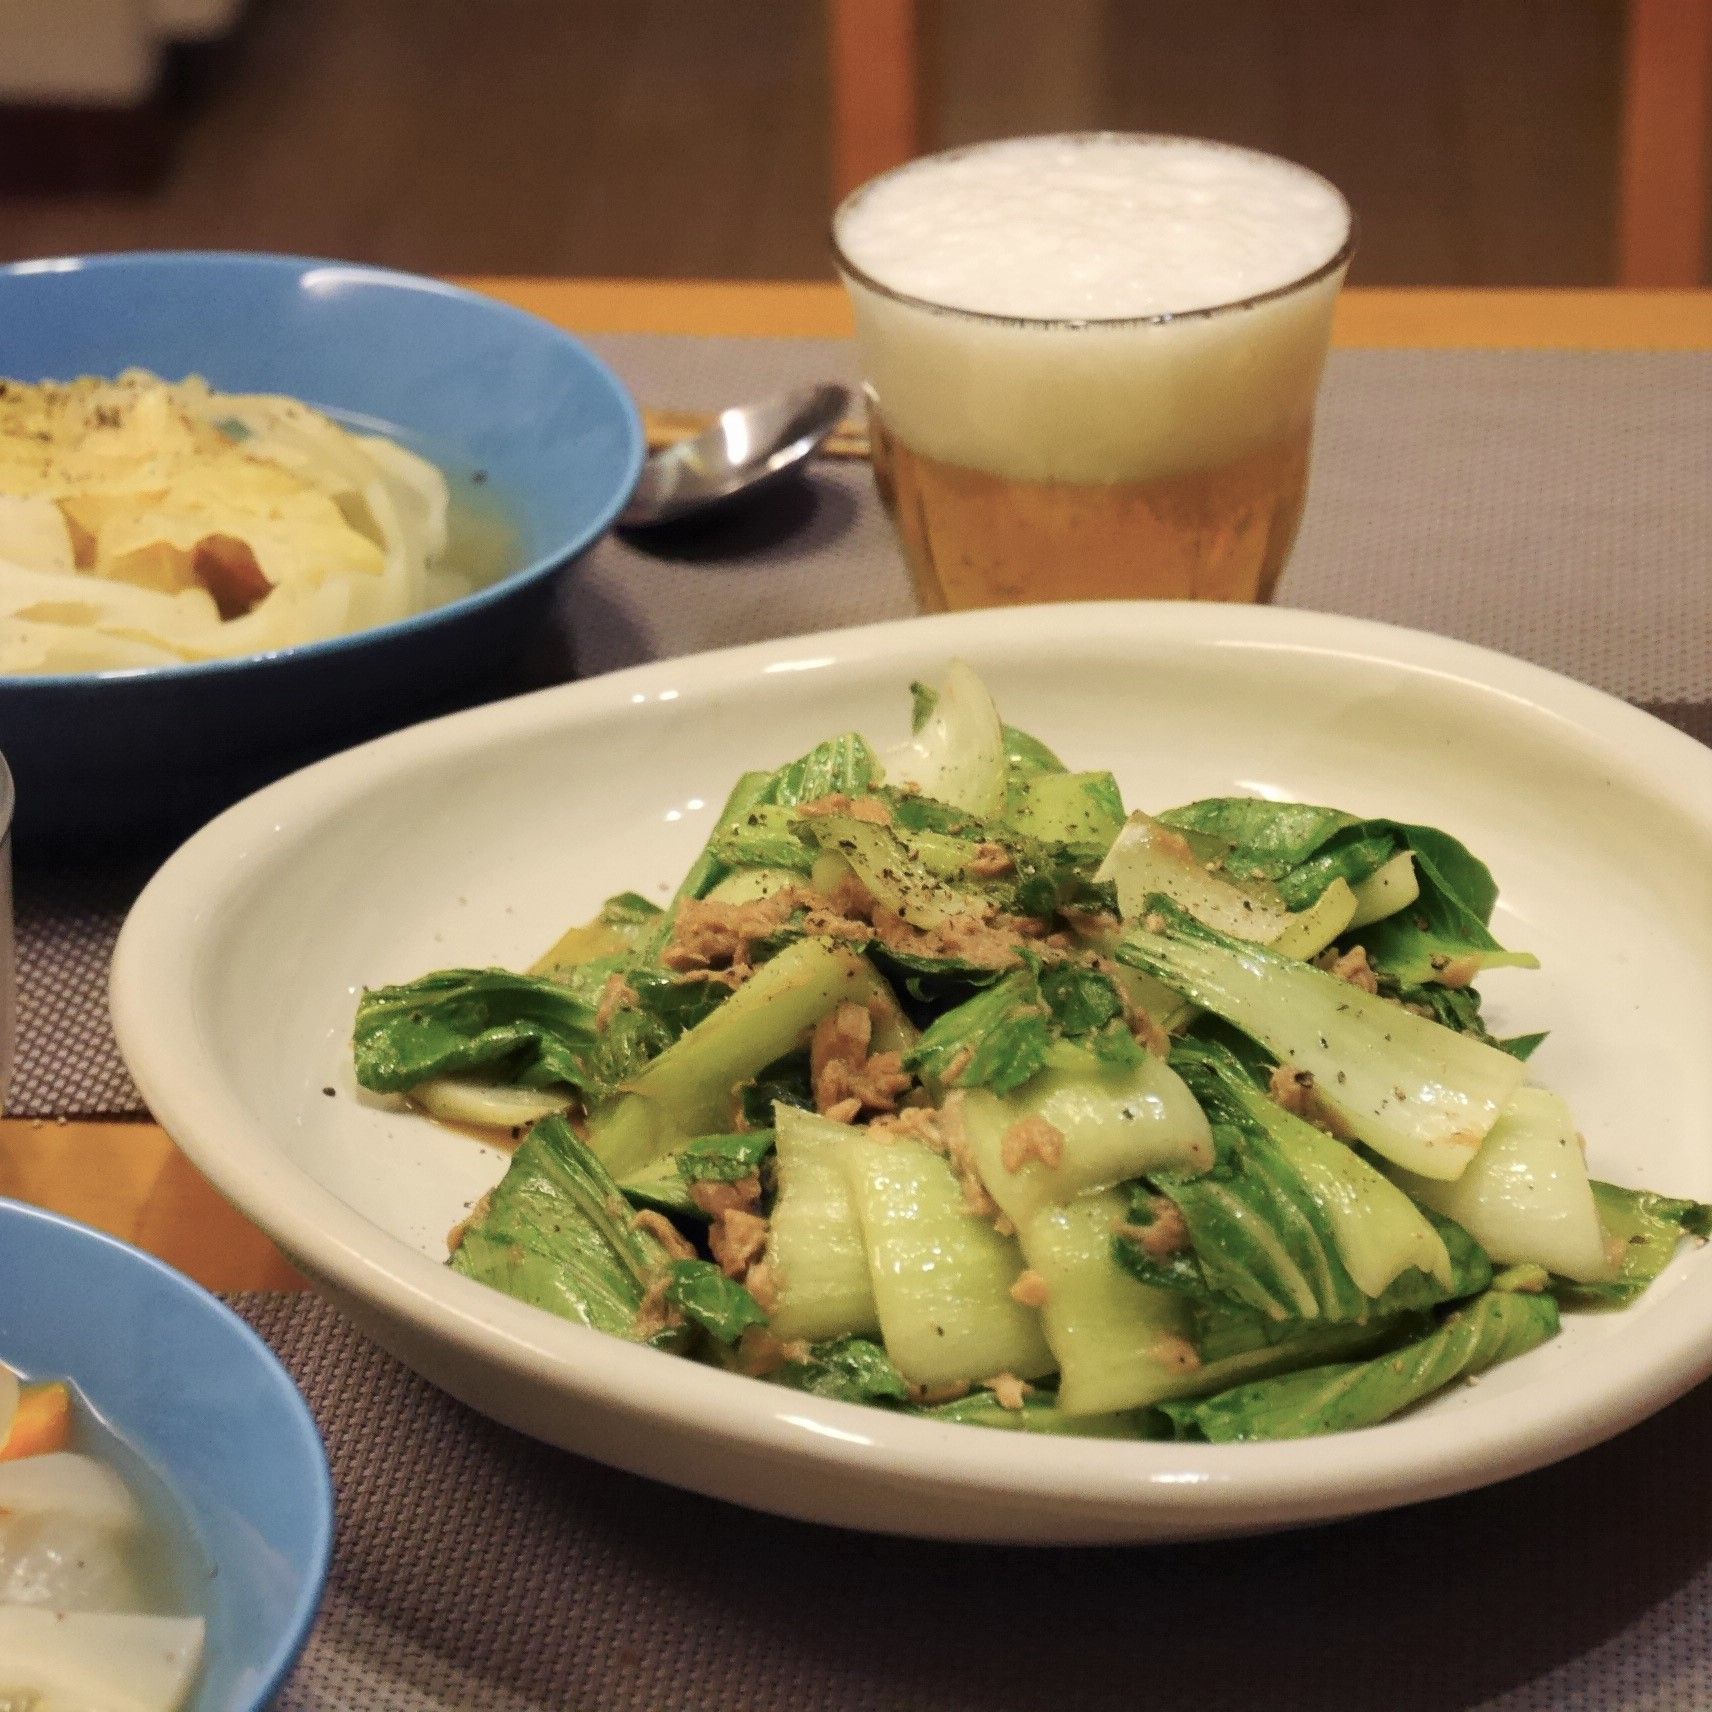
[476, 839]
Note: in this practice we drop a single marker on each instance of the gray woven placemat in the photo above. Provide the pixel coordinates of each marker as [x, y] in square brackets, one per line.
[1555, 505]
[478, 1571]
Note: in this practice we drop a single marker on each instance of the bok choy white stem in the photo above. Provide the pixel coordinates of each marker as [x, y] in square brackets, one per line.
[1416, 1092]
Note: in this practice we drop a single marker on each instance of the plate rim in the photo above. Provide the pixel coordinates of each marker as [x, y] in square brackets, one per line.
[1194, 1486]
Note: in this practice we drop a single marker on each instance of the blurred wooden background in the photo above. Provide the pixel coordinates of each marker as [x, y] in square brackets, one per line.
[1477, 139]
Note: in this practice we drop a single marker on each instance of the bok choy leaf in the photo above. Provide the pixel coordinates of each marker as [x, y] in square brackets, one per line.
[1101, 1125]
[1294, 1223]
[557, 1233]
[752, 829]
[1645, 1231]
[942, 1278]
[816, 1248]
[1525, 1197]
[956, 754]
[1006, 1033]
[520, 1030]
[620, 930]
[1415, 1092]
[1494, 1327]
[719, 1305]
[850, 1369]
[1081, 810]
[690, 1089]
[1440, 933]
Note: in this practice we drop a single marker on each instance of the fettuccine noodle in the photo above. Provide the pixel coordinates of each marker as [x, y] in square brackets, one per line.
[145, 523]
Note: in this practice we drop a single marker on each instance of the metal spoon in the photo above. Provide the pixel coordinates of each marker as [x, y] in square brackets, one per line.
[745, 447]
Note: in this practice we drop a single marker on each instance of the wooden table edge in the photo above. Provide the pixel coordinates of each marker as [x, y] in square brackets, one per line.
[128, 1178]
[1415, 319]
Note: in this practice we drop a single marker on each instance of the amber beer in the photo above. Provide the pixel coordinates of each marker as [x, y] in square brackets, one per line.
[1092, 363]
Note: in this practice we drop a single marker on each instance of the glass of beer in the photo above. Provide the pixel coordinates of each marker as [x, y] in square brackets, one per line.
[1091, 363]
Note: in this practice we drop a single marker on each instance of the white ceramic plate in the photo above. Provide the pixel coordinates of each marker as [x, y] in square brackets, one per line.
[478, 838]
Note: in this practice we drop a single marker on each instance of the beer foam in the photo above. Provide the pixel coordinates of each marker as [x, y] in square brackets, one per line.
[1093, 227]
[1064, 247]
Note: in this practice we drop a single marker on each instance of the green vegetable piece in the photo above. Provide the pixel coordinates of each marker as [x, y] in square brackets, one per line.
[1083, 809]
[1151, 858]
[621, 927]
[1521, 1046]
[1041, 1414]
[924, 698]
[521, 1029]
[1645, 1230]
[660, 1186]
[1027, 756]
[956, 752]
[665, 1183]
[1525, 1197]
[787, 1081]
[1311, 929]
[687, 1091]
[763, 836]
[1081, 1001]
[708, 870]
[725, 1158]
[1261, 839]
[1300, 848]
[557, 1233]
[1006, 1034]
[1355, 857]
[894, 869]
[1391, 887]
[1440, 935]
[466, 1029]
[751, 885]
[1000, 1037]
[1295, 1223]
[1118, 1343]
[753, 828]
[487, 1105]
[1459, 1008]
[941, 1278]
[815, 1246]
[1117, 1122]
[1416, 1092]
[1493, 1328]
[1166, 1007]
[719, 1305]
[848, 1369]
[1446, 927]
[842, 766]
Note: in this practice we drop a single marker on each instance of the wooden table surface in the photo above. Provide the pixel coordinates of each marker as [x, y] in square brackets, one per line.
[128, 1178]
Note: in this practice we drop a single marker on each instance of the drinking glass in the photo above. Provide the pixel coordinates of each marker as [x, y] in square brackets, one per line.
[1029, 458]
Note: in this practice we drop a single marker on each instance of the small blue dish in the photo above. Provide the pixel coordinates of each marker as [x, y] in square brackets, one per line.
[203, 1402]
[491, 394]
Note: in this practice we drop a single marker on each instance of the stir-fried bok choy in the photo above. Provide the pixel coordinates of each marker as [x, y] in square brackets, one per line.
[945, 1084]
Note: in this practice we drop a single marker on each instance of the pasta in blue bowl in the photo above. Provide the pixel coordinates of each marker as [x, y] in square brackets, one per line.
[254, 508]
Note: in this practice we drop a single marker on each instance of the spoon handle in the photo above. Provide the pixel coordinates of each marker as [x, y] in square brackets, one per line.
[665, 426]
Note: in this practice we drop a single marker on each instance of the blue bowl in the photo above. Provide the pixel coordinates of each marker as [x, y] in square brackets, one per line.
[471, 383]
[204, 1403]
